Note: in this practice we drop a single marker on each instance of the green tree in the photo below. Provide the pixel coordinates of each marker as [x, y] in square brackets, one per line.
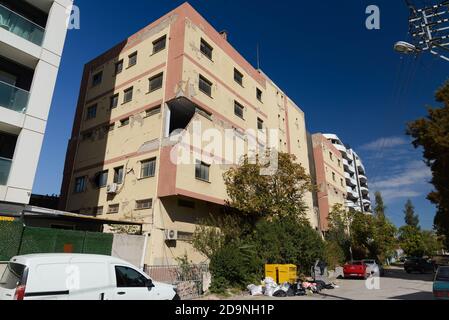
[288, 241]
[432, 244]
[265, 196]
[411, 241]
[380, 208]
[411, 219]
[338, 234]
[432, 134]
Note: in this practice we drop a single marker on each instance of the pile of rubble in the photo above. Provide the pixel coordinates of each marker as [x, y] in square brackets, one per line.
[270, 288]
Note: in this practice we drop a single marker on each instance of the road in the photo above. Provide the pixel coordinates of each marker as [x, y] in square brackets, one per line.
[395, 285]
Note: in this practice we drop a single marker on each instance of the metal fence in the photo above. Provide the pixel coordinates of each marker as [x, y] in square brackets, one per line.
[191, 280]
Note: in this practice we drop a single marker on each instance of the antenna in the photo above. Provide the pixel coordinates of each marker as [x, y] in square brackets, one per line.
[429, 29]
[258, 56]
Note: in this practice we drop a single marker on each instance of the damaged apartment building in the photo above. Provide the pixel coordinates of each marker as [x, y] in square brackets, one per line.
[176, 73]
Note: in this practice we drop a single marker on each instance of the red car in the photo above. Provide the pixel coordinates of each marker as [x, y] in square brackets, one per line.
[356, 269]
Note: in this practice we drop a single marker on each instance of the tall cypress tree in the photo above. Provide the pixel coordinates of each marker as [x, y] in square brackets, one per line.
[411, 219]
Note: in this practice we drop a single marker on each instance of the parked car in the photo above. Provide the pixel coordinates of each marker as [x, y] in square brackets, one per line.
[419, 265]
[441, 284]
[373, 267]
[78, 277]
[356, 269]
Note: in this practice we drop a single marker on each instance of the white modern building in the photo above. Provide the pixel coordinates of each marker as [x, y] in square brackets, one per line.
[32, 36]
[358, 196]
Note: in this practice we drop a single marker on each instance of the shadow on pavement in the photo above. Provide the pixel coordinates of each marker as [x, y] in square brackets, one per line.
[401, 274]
[415, 296]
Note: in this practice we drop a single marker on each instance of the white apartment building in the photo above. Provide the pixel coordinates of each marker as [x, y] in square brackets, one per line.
[358, 196]
[32, 36]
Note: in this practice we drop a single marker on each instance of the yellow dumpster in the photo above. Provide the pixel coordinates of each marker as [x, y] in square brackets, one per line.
[282, 273]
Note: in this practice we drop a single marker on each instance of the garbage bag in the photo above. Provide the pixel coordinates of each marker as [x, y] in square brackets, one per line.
[270, 287]
[285, 287]
[255, 290]
[280, 294]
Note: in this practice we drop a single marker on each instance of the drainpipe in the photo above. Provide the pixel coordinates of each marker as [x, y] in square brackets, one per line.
[144, 251]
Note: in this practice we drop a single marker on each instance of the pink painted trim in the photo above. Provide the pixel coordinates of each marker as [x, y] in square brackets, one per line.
[114, 160]
[167, 174]
[210, 74]
[126, 115]
[125, 84]
[198, 196]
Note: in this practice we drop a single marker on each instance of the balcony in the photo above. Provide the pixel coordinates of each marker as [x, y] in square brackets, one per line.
[340, 148]
[352, 195]
[364, 190]
[361, 168]
[348, 167]
[349, 180]
[5, 167]
[21, 26]
[13, 98]
[363, 179]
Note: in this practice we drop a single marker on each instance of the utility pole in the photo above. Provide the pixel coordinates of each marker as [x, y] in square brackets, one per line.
[429, 30]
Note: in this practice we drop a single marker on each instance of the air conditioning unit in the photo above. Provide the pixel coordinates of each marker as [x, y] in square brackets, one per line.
[112, 188]
[171, 235]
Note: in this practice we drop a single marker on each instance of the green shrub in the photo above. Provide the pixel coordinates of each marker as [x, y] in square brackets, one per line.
[235, 265]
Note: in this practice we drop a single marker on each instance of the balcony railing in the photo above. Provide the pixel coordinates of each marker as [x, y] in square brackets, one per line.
[13, 98]
[5, 167]
[21, 26]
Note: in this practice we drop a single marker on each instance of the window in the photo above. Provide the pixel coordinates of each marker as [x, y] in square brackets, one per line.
[80, 184]
[333, 176]
[118, 67]
[128, 95]
[202, 171]
[130, 278]
[331, 156]
[114, 101]
[156, 82]
[148, 168]
[98, 211]
[206, 49]
[238, 109]
[259, 94]
[97, 78]
[153, 111]
[186, 204]
[144, 204]
[118, 175]
[113, 208]
[341, 182]
[91, 112]
[132, 59]
[12, 276]
[159, 44]
[238, 77]
[259, 124]
[101, 179]
[339, 162]
[205, 86]
[124, 122]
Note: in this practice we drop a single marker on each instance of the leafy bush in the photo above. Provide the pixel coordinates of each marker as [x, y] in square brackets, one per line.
[235, 265]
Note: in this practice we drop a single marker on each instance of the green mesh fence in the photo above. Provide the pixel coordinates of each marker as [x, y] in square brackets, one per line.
[10, 234]
[98, 243]
[38, 240]
[44, 240]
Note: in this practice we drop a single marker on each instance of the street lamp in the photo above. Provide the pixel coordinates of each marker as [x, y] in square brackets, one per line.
[429, 28]
[405, 47]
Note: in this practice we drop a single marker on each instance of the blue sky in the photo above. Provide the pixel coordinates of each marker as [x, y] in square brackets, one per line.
[346, 78]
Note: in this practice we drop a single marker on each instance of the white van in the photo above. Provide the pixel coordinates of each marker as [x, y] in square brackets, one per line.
[78, 277]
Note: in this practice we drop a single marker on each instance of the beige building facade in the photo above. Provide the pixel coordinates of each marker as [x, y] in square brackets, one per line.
[330, 178]
[160, 118]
